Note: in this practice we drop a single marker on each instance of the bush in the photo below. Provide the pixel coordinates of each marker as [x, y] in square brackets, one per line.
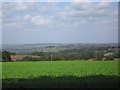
[38, 53]
[31, 59]
[110, 57]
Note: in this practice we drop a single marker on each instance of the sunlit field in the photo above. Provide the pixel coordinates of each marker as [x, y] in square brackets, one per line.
[45, 74]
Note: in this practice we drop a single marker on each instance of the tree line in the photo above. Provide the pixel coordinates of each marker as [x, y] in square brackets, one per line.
[99, 55]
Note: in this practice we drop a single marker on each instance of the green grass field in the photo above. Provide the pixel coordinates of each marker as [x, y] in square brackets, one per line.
[64, 74]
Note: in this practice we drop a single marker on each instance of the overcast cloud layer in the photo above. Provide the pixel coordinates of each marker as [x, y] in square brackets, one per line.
[60, 22]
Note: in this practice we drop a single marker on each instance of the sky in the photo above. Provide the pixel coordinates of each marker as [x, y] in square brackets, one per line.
[59, 22]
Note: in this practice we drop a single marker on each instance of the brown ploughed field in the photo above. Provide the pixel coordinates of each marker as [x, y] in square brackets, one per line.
[20, 57]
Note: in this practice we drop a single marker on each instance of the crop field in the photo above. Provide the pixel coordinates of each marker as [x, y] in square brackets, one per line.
[20, 57]
[60, 74]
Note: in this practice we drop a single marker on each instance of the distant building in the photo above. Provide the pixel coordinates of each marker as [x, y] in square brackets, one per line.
[108, 54]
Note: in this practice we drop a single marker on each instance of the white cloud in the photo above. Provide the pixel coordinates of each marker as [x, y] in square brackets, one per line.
[102, 5]
[60, 0]
[11, 26]
[21, 6]
[115, 13]
[78, 10]
[39, 20]
[27, 17]
[81, 0]
[96, 0]
[17, 6]
[74, 14]
[79, 19]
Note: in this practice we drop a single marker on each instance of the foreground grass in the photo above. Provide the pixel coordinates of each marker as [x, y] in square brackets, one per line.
[60, 74]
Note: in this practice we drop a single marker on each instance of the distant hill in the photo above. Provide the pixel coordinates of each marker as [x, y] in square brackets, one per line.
[23, 49]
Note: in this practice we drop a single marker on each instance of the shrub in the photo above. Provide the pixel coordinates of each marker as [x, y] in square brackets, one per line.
[110, 57]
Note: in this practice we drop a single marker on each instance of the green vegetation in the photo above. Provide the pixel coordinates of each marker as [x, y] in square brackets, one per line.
[97, 56]
[60, 48]
[60, 52]
[61, 66]
[38, 53]
[60, 74]
[6, 56]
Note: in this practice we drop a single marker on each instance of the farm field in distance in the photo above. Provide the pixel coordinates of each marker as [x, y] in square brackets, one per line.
[20, 57]
[61, 74]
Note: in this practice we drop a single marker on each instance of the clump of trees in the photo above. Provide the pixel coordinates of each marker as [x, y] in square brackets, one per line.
[60, 57]
[71, 54]
[110, 57]
[6, 56]
[117, 54]
[38, 53]
[31, 59]
[99, 55]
